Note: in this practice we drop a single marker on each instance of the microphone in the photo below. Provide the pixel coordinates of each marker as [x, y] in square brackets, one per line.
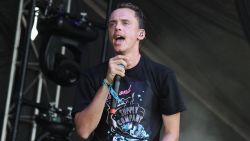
[116, 85]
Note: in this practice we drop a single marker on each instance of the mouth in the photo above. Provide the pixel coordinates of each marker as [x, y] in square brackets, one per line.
[118, 40]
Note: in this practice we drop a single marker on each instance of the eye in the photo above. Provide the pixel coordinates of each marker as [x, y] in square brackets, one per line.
[125, 22]
[112, 24]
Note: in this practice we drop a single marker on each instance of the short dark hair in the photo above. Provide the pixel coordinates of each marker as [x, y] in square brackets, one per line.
[138, 12]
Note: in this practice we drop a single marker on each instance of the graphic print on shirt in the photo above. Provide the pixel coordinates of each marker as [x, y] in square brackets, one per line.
[126, 122]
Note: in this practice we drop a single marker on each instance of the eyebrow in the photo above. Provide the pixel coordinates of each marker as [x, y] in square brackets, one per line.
[111, 21]
[123, 20]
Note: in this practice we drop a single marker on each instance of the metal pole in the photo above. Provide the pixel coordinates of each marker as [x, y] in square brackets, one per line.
[38, 100]
[68, 6]
[105, 42]
[24, 62]
[12, 72]
[58, 87]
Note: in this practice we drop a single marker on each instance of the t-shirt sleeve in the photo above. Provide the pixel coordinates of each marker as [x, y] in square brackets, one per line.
[85, 92]
[171, 101]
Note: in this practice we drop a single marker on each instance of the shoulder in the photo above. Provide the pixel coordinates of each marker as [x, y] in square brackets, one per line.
[93, 76]
[156, 67]
[95, 71]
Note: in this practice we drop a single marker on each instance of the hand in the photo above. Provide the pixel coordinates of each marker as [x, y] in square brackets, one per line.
[115, 69]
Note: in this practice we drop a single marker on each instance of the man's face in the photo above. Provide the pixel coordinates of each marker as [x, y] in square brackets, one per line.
[124, 31]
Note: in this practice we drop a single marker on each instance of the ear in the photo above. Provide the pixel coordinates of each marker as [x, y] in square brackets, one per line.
[141, 34]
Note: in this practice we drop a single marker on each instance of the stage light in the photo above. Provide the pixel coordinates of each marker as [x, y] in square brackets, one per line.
[59, 33]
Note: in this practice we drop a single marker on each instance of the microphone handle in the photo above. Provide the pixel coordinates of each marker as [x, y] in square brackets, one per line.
[116, 88]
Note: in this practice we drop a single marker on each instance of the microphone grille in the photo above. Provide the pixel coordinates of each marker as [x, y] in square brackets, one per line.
[121, 65]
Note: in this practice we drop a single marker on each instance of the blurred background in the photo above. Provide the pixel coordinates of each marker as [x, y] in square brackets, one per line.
[46, 43]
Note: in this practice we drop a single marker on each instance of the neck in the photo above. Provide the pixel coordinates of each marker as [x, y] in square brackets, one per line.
[133, 56]
[133, 59]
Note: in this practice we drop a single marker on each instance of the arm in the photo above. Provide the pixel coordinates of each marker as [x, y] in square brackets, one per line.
[87, 120]
[171, 125]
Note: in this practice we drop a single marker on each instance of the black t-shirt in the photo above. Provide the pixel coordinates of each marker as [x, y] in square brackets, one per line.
[147, 91]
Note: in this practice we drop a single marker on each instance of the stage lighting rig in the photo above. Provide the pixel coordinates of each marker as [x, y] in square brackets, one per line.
[60, 31]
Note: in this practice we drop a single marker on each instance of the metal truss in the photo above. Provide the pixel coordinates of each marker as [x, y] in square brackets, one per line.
[37, 82]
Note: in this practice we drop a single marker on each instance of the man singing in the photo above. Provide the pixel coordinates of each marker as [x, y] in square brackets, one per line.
[148, 95]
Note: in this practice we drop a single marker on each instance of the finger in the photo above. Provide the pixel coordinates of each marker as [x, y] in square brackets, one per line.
[121, 70]
[120, 62]
[115, 69]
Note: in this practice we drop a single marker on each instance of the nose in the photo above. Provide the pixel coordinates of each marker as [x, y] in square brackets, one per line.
[118, 26]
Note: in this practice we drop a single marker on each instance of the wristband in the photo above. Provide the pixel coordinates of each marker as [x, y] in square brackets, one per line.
[111, 90]
[106, 83]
